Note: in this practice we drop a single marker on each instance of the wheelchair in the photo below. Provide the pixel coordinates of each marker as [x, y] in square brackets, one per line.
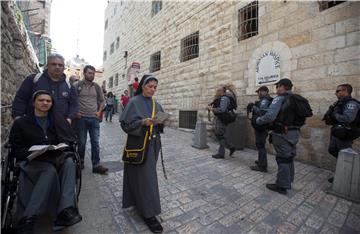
[10, 172]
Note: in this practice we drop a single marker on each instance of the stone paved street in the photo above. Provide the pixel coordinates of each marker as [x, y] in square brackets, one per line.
[204, 195]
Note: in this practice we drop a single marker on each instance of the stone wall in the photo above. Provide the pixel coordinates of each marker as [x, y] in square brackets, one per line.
[17, 60]
[317, 50]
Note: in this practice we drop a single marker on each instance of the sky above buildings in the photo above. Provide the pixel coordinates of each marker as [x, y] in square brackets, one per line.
[77, 28]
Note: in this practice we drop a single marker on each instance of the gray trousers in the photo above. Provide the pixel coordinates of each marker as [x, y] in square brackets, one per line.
[260, 141]
[42, 189]
[220, 130]
[337, 144]
[285, 147]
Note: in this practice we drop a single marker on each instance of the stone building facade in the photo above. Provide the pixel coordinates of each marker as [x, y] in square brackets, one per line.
[316, 46]
[18, 60]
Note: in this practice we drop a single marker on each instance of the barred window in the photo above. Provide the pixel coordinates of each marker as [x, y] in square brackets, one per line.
[117, 42]
[111, 82]
[187, 119]
[189, 47]
[155, 62]
[112, 48]
[105, 54]
[323, 5]
[106, 24]
[248, 21]
[116, 79]
[156, 7]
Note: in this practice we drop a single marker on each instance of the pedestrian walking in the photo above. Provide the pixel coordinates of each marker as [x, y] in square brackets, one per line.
[261, 132]
[223, 108]
[135, 85]
[140, 185]
[125, 98]
[91, 101]
[344, 117]
[287, 113]
[53, 80]
[110, 102]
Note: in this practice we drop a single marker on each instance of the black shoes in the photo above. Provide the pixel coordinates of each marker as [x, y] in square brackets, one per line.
[257, 162]
[218, 156]
[154, 225]
[258, 168]
[276, 188]
[26, 225]
[232, 150]
[67, 217]
[100, 170]
[331, 180]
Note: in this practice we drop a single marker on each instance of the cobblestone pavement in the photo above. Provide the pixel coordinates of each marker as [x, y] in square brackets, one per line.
[205, 195]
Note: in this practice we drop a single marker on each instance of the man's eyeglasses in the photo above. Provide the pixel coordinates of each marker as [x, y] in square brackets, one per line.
[338, 90]
[57, 64]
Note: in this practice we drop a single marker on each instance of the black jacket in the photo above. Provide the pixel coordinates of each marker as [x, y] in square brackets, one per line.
[25, 133]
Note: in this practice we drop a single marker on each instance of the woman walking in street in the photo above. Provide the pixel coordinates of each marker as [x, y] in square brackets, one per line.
[140, 186]
[110, 101]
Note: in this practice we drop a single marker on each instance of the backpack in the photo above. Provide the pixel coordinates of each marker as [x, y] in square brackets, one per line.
[229, 115]
[302, 109]
[356, 122]
[80, 84]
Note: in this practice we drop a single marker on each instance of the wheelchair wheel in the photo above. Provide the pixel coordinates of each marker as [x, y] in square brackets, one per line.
[9, 179]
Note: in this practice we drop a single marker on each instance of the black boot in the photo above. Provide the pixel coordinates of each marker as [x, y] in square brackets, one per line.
[276, 188]
[26, 225]
[258, 168]
[217, 156]
[232, 150]
[67, 217]
[154, 225]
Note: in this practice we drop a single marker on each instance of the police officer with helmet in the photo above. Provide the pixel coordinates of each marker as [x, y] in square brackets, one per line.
[284, 136]
[222, 108]
[344, 116]
[258, 109]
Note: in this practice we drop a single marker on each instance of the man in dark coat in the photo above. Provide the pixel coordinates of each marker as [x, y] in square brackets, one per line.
[53, 80]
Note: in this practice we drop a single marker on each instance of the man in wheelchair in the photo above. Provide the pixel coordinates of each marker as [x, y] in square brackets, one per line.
[46, 183]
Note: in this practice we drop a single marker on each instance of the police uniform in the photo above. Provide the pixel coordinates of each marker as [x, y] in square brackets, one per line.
[283, 142]
[259, 109]
[220, 127]
[345, 112]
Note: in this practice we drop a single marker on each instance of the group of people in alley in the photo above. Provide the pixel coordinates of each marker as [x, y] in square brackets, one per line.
[49, 109]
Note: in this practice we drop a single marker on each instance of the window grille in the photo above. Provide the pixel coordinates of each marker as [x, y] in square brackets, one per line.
[323, 5]
[106, 24]
[112, 48]
[187, 119]
[117, 42]
[116, 79]
[105, 54]
[111, 82]
[156, 7]
[155, 62]
[248, 21]
[189, 47]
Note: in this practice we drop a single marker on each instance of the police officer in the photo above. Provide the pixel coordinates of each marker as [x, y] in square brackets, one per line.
[258, 109]
[218, 107]
[283, 139]
[342, 115]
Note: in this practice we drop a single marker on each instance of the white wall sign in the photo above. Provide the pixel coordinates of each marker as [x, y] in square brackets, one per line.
[267, 69]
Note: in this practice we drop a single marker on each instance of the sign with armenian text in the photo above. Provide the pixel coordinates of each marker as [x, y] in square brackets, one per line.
[267, 69]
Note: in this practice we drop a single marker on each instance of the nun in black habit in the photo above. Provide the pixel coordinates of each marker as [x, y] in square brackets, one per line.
[140, 186]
